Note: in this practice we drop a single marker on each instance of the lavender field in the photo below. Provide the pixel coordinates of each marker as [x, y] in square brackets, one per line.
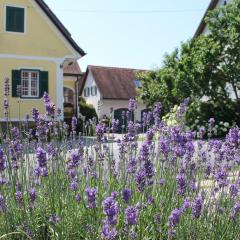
[171, 185]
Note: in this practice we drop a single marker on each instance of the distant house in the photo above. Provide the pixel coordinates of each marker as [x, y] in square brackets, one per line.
[109, 88]
[71, 89]
[35, 51]
[202, 28]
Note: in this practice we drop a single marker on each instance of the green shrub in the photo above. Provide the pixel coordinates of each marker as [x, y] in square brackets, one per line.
[88, 118]
[226, 114]
[87, 110]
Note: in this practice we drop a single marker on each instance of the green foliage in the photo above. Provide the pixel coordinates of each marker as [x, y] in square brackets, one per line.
[207, 67]
[226, 115]
[87, 110]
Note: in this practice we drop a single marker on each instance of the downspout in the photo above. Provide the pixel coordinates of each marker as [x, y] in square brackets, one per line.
[77, 82]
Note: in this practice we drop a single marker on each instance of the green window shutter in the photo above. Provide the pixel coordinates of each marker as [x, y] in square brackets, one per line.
[43, 83]
[15, 19]
[16, 80]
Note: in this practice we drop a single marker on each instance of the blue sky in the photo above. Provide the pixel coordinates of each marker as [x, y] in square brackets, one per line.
[129, 33]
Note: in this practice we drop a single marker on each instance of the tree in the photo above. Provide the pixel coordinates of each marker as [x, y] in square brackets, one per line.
[224, 24]
[207, 66]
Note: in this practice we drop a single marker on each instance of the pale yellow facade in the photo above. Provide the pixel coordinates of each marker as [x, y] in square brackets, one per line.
[6, 66]
[41, 47]
[69, 82]
[39, 38]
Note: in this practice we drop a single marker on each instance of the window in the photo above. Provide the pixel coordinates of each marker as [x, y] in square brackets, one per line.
[15, 19]
[33, 83]
[29, 83]
[86, 92]
[138, 83]
[93, 90]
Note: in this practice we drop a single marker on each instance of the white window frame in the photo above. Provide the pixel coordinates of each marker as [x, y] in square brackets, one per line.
[93, 90]
[30, 84]
[87, 91]
[5, 19]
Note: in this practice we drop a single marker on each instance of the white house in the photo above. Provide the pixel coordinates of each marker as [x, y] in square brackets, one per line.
[109, 88]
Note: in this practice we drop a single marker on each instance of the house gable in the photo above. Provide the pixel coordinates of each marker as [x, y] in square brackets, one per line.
[44, 35]
[113, 82]
[88, 87]
[202, 28]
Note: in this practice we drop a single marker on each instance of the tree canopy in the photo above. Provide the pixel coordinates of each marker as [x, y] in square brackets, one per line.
[204, 67]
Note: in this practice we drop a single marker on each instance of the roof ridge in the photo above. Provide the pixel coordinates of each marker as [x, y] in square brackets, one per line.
[122, 68]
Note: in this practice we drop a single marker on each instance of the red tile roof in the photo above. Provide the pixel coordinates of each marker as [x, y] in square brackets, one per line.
[72, 69]
[114, 83]
[202, 24]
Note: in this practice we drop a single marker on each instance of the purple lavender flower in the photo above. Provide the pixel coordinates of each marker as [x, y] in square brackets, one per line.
[15, 133]
[78, 198]
[52, 151]
[174, 217]
[140, 179]
[131, 215]
[186, 203]
[131, 130]
[128, 116]
[19, 197]
[108, 232]
[74, 124]
[197, 206]
[115, 124]
[126, 195]
[162, 181]
[211, 123]
[73, 185]
[35, 114]
[114, 194]
[15, 149]
[32, 195]
[150, 134]
[132, 166]
[221, 177]
[164, 146]
[3, 162]
[235, 210]
[110, 209]
[132, 105]
[41, 156]
[91, 197]
[75, 158]
[181, 184]
[3, 206]
[144, 117]
[54, 219]
[233, 189]
[182, 108]
[46, 98]
[201, 132]
[150, 200]
[100, 131]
